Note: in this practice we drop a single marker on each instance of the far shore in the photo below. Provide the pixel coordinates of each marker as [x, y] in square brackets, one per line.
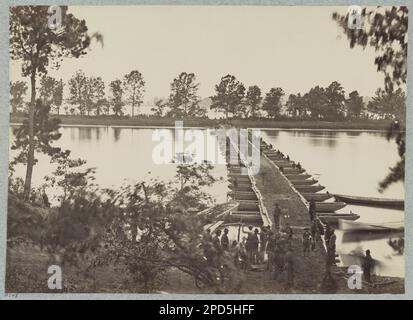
[150, 121]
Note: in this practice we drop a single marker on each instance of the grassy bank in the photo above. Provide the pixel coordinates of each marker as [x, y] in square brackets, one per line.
[27, 263]
[362, 124]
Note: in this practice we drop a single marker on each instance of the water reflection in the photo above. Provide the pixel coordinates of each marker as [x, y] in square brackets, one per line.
[85, 134]
[121, 155]
[116, 133]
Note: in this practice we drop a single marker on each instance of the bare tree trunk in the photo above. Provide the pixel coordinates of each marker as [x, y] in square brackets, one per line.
[133, 101]
[30, 154]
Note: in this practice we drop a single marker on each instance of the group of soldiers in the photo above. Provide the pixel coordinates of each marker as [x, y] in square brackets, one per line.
[263, 249]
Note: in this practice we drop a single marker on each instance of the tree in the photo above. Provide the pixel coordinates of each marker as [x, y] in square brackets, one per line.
[77, 88]
[354, 105]
[58, 95]
[51, 92]
[117, 97]
[102, 105]
[159, 107]
[94, 95]
[389, 105]
[229, 95]
[386, 31]
[333, 109]
[253, 100]
[295, 106]
[315, 101]
[45, 130]
[396, 173]
[272, 102]
[18, 91]
[134, 88]
[183, 99]
[38, 46]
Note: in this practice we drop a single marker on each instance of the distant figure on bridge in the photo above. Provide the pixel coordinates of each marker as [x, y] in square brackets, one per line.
[327, 233]
[277, 214]
[314, 234]
[235, 183]
[299, 167]
[312, 210]
[332, 244]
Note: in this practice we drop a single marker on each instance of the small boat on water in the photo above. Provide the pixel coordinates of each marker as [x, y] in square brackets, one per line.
[274, 156]
[243, 195]
[248, 205]
[369, 201]
[291, 170]
[304, 182]
[243, 187]
[220, 209]
[302, 176]
[317, 196]
[333, 218]
[380, 226]
[240, 178]
[329, 206]
[237, 174]
[283, 163]
[362, 235]
[308, 189]
[244, 216]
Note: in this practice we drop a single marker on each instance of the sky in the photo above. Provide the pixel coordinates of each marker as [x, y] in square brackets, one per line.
[295, 48]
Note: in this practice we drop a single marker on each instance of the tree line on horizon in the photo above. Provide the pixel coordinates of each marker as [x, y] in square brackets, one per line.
[87, 96]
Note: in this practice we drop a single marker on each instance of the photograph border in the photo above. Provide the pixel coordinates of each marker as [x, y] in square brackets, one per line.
[4, 160]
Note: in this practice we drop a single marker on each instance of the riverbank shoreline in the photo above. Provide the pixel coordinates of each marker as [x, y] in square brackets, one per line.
[154, 122]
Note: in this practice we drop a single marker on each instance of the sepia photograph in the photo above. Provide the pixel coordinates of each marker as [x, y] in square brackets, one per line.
[206, 149]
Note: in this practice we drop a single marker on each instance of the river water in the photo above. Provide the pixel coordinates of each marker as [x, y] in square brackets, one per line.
[346, 162]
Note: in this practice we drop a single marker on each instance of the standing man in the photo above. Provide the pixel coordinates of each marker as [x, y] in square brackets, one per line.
[45, 198]
[332, 246]
[367, 266]
[306, 242]
[225, 240]
[216, 242]
[327, 234]
[277, 215]
[313, 231]
[235, 183]
[254, 246]
[311, 210]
